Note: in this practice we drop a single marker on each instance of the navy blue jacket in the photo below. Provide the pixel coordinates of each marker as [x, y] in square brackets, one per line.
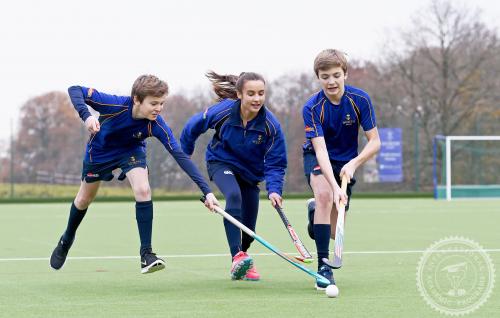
[121, 135]
[257, 151]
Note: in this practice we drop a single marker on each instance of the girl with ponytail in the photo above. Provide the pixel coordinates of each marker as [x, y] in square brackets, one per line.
[248, 147]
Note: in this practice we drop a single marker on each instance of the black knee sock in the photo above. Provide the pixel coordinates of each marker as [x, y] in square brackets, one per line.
[322, 239]
[75, 218]
[144, 217]
[233, 233]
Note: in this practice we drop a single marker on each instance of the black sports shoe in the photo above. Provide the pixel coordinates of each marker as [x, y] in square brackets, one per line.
[150, 263]
[59, 254]
[327, 273]
[311, 207]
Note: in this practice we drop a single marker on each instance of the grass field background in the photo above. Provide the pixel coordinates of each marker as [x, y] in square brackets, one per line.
[102, 276]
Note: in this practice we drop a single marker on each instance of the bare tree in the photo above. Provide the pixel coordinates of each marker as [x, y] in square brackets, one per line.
[50, 137]
[447, 71]
[287, 95]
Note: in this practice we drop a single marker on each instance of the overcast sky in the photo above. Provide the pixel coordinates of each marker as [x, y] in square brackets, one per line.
[50, 45]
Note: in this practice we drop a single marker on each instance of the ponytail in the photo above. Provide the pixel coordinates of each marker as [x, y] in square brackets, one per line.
[228, 86]
[224, 85]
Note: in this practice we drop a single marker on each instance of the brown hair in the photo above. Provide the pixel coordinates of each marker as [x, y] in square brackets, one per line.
[227, 86]
[148, 85]
[329, 58]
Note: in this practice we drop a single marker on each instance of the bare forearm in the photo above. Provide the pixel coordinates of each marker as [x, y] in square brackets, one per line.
[370, 149]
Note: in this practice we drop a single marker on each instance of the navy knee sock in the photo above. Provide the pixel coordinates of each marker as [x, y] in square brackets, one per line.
[246, 240]
[322, 239]
[75, 218]
[233, 233]
[144, 217]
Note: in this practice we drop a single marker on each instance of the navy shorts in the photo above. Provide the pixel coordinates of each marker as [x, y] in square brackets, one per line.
[311, 166]
[92, 172]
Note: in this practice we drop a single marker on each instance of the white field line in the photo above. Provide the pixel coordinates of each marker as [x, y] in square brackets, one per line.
[23, 259]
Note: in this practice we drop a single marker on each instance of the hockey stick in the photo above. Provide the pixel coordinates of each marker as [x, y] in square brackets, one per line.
[284, 256]
[339, 233]
[305, 257]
